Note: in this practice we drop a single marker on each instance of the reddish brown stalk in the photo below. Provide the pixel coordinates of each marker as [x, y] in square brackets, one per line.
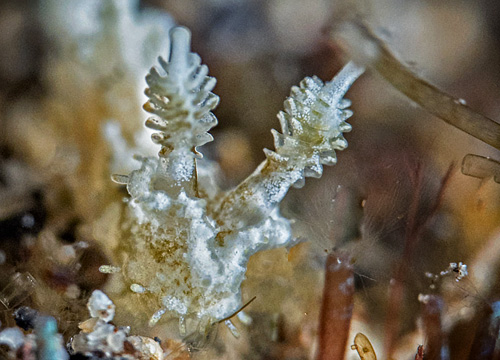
[336, 307]
[440, 195]
[434, 337]
[396, 291]
[414, 227]
[420, 353]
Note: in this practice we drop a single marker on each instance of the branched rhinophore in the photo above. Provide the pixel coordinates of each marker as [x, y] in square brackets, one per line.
[180, 97]
[184, 253]
[312, 126]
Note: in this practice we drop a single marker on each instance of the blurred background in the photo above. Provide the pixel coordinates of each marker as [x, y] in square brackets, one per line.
[402, 165]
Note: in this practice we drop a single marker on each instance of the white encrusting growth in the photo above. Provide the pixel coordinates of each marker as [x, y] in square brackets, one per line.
[100, 306]
[187, 244]
[97, 333]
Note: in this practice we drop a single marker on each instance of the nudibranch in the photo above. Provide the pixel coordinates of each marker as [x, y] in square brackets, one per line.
[183, 245]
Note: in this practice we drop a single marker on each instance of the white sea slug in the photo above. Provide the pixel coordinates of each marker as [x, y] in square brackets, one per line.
[183, 252]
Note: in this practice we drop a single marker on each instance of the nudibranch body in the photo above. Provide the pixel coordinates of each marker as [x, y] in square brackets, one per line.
[183, 245]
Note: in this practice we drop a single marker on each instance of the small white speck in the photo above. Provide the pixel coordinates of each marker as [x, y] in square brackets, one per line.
[108, 269]
[245, 318]
[156, 317]
[234, 331]
[28, 221]
[424, 299]
[137, 288]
